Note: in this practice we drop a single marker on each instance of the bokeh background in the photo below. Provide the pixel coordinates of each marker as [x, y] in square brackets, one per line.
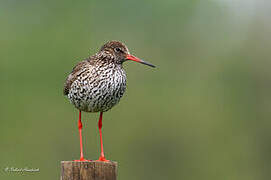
[203, 113]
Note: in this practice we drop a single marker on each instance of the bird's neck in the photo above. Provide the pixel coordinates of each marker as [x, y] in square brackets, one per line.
[106, 59]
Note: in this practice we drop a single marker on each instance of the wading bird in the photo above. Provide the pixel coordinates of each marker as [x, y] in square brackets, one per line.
[97, 84]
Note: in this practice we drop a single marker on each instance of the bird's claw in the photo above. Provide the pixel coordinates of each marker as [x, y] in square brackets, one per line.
[102, 159]
[82, 159]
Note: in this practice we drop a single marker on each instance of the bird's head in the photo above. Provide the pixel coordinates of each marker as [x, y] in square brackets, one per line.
[119, 53]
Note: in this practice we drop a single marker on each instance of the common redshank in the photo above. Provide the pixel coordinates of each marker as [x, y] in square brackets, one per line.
[97, 84]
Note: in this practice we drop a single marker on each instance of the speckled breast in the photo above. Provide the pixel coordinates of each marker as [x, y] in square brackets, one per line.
[98, 89]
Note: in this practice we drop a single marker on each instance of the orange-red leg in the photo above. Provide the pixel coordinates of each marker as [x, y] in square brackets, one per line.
[100, 124]
[80, 126]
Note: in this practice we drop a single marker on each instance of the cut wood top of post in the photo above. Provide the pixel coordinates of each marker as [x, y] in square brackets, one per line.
[95, 162]
[88, 170]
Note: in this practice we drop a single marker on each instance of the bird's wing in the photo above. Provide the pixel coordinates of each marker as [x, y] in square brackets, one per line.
[77, 70]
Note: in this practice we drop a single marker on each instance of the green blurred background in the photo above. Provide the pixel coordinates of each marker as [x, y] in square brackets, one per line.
[203, 113]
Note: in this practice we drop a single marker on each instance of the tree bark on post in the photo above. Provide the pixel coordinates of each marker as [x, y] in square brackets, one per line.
[93, 170]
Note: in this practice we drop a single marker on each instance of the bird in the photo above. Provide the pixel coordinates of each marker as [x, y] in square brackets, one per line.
[97, 83]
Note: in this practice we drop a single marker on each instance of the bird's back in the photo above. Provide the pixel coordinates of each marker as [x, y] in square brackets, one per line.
[76, 72]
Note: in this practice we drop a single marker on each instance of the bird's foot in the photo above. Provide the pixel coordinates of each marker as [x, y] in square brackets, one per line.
[82, 159]
[102, 158]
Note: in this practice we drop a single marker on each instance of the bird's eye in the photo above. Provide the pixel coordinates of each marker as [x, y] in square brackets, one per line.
[118, 49]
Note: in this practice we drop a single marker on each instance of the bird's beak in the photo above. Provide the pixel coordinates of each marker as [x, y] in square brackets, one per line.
[133, 58]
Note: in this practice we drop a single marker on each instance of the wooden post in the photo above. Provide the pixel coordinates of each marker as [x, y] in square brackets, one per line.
[93, 170]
